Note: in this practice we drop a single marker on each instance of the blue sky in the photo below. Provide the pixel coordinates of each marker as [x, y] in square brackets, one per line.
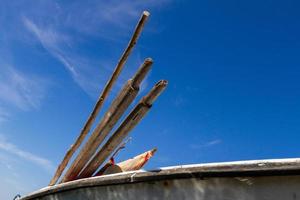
[233, 69]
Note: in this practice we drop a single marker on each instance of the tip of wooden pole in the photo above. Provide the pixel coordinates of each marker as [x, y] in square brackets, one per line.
[141, 73]
[149, 60]
[162, 83]
[154, 93]
[153, 151]
[146, 13]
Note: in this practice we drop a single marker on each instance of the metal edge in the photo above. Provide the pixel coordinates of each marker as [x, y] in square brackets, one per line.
[271, 167]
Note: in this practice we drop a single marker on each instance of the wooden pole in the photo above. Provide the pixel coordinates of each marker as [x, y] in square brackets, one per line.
[126, 126]
[101, 99]
[134, 163]
[115, 111]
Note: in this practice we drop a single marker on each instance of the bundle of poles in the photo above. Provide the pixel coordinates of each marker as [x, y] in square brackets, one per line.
[91, 158]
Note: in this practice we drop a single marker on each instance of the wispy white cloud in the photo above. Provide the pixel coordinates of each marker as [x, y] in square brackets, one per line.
[107, 20]
[207, 144]
[19, 89]
[51, 41]
[79, 68]
[16, 175]
[4, 114]
[13, 149]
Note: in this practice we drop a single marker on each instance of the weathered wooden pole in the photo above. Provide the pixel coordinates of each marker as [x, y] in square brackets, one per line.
[126, 126]
[101, 99]
[115, 111]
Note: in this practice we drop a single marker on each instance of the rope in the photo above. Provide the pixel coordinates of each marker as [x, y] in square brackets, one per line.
[17, 197]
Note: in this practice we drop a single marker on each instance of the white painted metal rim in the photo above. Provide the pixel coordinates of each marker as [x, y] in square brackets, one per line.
[236, 168]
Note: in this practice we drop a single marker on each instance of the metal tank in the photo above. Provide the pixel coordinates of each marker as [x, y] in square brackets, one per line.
[250, 180]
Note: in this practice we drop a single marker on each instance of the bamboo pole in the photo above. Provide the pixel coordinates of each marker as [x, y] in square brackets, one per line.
[126, 126]
[115, 111]
[101, 99]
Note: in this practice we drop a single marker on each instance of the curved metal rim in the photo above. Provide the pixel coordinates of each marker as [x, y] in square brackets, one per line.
[274, 167]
